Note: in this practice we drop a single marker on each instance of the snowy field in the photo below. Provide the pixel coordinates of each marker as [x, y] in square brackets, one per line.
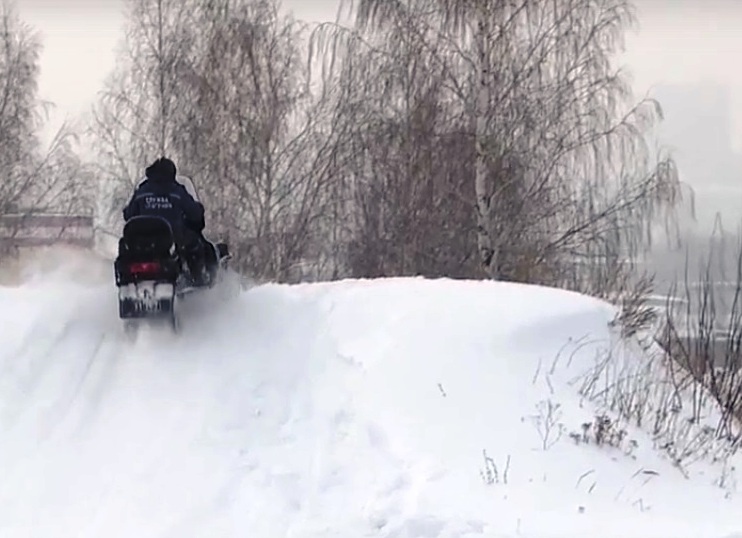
[397, 408]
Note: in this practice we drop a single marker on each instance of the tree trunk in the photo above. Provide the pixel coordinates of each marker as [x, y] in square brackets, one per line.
[161, 73]
[487, 254]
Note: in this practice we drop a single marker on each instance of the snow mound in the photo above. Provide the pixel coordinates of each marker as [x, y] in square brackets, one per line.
[394, 408]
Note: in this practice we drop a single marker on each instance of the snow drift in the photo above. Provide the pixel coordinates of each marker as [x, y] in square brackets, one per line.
[394, 408]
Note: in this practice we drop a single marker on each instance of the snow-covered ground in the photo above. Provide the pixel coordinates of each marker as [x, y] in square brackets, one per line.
[390, 408]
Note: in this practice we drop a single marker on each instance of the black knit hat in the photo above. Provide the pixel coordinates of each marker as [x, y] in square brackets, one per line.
[163, 169]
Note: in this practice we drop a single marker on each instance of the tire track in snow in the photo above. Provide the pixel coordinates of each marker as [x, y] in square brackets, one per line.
[101, 359]
[68, 397]
[44, 374]
[24, 372]
[99, 376]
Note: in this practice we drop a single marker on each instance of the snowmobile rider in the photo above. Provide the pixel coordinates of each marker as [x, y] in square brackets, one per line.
[162, 195]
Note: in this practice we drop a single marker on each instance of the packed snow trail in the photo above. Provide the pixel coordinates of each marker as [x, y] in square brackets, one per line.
[350, 409]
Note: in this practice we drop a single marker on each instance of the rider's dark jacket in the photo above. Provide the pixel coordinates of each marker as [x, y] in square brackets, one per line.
[161, 195]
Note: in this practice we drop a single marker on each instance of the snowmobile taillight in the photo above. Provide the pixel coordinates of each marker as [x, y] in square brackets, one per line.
[144, 268]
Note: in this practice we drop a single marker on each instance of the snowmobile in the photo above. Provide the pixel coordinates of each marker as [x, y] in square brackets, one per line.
[152, 276]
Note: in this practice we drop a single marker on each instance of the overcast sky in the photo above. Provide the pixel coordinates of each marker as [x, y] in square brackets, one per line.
[678, 42]
[80, 38]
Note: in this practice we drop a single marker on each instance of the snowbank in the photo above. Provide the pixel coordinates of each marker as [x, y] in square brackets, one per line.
[395, 408]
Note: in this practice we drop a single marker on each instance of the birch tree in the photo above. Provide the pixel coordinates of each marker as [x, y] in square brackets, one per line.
[220, 85]
[561, 171]
[19, 51]
[34, 179]
[133, 121]
[401, 158]
[255, 138]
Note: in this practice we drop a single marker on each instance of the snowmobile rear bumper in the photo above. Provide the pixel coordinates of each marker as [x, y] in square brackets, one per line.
[148, 299]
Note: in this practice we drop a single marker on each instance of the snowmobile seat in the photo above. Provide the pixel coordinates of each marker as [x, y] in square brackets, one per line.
[147, 237]
[146, 251]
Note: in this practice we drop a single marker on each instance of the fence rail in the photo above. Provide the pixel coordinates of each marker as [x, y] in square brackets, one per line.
[37, 230]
